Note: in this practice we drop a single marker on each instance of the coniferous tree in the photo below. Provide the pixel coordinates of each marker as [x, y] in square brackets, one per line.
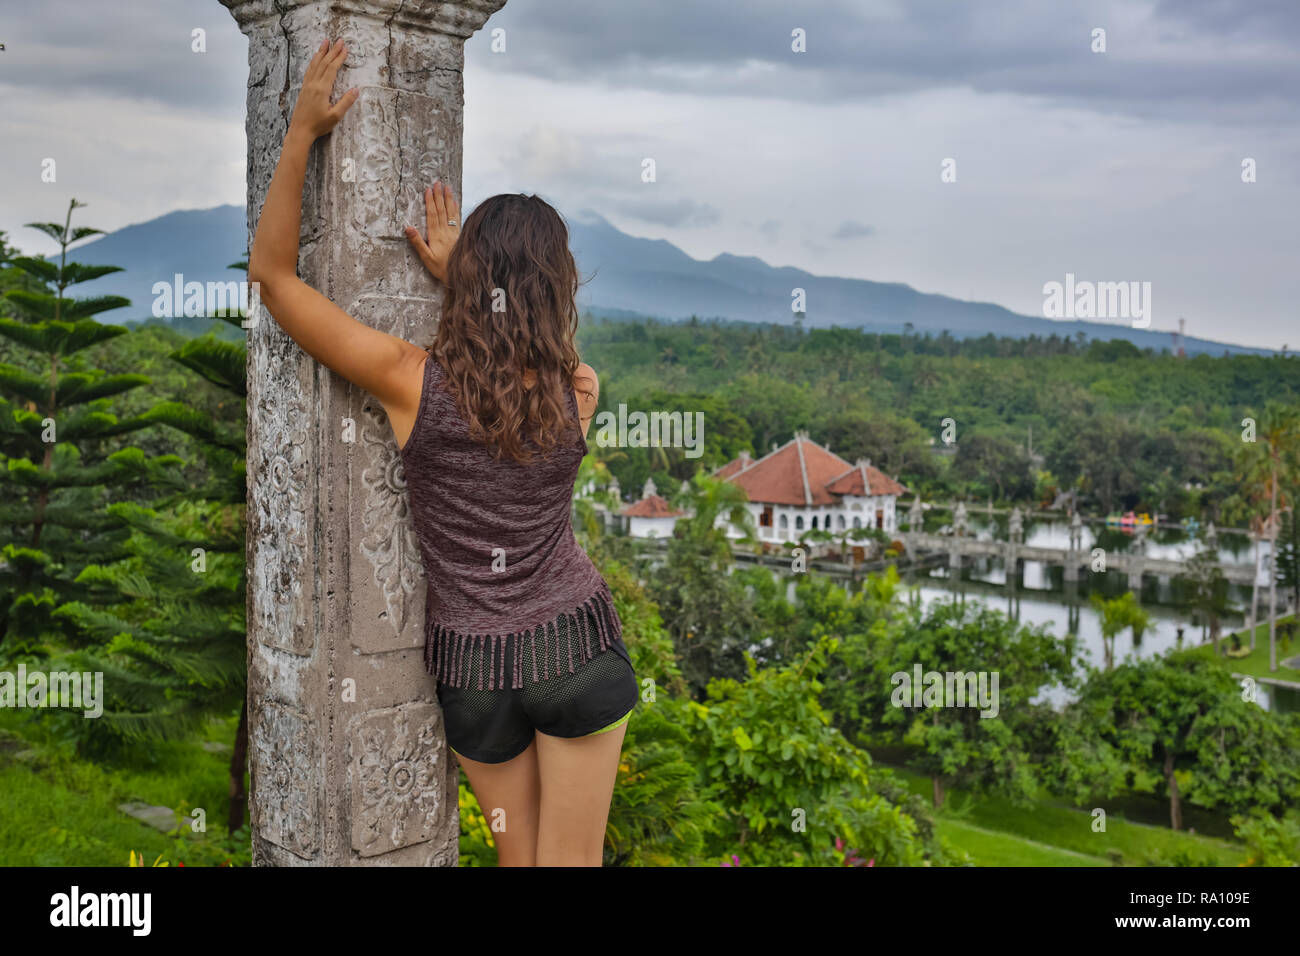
[174, 650]
[62, 461]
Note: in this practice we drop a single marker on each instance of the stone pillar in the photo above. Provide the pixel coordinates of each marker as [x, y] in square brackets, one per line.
[348, 760]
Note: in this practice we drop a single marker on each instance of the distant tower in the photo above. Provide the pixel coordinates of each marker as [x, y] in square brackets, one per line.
[1179, 350]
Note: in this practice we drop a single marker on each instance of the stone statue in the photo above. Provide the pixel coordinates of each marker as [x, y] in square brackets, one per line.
[1016, 525]
[959, 519]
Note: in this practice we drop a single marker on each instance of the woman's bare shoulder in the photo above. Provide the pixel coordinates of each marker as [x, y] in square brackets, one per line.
[587, 385]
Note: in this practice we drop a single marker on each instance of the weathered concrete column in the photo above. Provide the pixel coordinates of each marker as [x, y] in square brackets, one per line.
[348, 760]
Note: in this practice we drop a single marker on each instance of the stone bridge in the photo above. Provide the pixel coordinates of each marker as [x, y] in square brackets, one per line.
[1014, 554]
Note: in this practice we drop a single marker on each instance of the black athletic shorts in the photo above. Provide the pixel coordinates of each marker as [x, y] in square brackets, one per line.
[493, 726]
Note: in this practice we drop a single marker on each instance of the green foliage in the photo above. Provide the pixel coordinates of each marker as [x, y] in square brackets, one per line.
[1272, 841]
[167, 629]
[1116, 614]
[1288, 555]
[1128, 427]
[956, 745]
[705, 609]
[477, 846]
[60, 447]
[791, 783]
[1181, 721]
[994, 466]
[657, 816]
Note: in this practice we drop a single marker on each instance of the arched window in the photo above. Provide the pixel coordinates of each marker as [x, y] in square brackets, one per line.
[814, 522]
[783, 523]
[798, 522]
[840, 522]
[857, 522]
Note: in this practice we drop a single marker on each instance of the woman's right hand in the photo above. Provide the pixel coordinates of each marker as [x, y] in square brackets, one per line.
[442, 224]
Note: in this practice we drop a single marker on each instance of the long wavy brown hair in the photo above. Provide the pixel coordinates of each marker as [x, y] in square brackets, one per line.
[510, 306]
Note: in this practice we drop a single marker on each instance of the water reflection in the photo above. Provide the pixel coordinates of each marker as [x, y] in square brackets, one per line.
[1168, 542]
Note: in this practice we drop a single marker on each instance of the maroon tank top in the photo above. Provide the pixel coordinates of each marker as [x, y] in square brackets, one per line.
[501, 562]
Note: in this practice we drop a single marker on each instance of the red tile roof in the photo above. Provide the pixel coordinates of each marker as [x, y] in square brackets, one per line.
[651, 507]
[794, 474]
[733, 466]
[802, 472]
[864, 480]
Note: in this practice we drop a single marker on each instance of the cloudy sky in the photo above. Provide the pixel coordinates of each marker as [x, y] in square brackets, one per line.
[1116, 165]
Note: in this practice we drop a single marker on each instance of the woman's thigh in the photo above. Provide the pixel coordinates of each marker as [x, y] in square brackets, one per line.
[509, 794]
[577, 783]
[578, 754]
[493, 739]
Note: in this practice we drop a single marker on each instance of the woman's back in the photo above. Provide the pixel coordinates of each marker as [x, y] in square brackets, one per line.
[501, 561]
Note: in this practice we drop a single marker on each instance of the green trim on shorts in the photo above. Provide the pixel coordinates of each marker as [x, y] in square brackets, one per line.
[611, 726]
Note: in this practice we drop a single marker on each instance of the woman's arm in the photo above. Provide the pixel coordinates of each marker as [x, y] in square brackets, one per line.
[382, 364]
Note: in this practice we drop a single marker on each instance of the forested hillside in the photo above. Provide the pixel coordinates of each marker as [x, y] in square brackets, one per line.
[1128, 428]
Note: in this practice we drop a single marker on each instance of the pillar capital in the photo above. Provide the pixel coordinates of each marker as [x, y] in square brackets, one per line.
[459, 19]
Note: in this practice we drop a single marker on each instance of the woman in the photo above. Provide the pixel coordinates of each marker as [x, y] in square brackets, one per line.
[521, 633]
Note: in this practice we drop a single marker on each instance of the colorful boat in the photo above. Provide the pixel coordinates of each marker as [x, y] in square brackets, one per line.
[1129, 520]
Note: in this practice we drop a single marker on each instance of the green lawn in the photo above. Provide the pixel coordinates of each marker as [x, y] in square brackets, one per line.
[994, 848]
[57, 810]
[1050, 830]
[1256, 664]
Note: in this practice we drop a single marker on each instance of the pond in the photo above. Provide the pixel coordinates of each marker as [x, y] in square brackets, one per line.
[1043, 597]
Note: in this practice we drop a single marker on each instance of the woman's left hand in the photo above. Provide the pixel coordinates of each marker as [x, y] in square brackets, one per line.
[313, 114]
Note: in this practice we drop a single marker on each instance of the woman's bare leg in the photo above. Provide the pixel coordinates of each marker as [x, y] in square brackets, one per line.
[577, 783]
[515, 787]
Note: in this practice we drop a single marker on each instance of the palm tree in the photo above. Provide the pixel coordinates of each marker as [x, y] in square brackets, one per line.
[1265, 465]
[1209, 590]
[1115, 615]
[705, 499]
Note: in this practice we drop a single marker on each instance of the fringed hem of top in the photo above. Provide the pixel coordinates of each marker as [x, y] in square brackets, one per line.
[451, 656]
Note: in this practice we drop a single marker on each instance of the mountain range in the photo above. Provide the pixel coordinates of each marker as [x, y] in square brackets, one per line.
[627, 276]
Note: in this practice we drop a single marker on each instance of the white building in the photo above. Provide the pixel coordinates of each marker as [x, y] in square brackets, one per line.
[802, 486]
[652, 516]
